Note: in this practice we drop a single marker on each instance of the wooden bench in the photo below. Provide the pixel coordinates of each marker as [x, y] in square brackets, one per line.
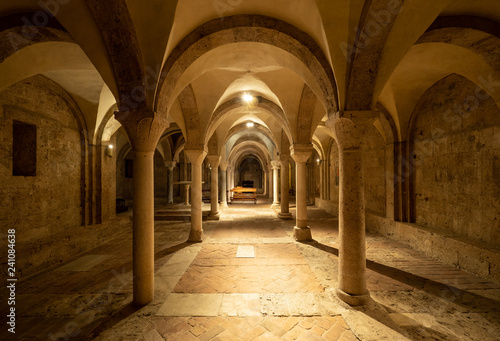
[244, 194]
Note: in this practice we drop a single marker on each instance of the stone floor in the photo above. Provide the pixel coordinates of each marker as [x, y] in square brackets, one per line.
[249, 280]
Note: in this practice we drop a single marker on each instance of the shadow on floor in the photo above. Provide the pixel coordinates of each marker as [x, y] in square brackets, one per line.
[452, 294]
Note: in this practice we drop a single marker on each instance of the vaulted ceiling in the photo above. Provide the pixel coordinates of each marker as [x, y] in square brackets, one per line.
[191, 61]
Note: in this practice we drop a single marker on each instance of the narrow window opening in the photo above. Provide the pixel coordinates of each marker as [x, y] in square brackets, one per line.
[129, 168]
[23, 149]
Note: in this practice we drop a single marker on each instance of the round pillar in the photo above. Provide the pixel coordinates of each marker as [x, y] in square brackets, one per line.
[196, 157]
[214, 187]
[270, 181]
[170, 169]
[143, 227]
[276, 201]
[143, 129]
[223, 194]
[300, 153]
[285, 196]
[348, 129]
[187, 189]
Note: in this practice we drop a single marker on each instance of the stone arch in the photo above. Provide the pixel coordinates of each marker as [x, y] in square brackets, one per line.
[187, 101]
[165, 141]
[242, 128]
[478, 34]
[306, 112]
[365, 55]
[105, 124]
[260, 137]
[178, 151]
[246, 28]
[236, 102]
[319, 149]
[255, 146]
[14, 36]
[119, 34]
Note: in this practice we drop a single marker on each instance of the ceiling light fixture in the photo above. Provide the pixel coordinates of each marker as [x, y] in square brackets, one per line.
[247, 98]
[250, 124]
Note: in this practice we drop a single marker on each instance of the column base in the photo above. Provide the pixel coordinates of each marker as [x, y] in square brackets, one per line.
[195, 236]
[213, 217]
[353, 299]
[287, 215]
[302, 233]
[141, 302]
[223, 205]
[276, 205]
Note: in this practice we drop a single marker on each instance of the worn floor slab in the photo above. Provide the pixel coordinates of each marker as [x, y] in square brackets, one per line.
[285, 292]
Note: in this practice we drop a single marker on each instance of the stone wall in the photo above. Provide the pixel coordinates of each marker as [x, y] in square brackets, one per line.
[444, 245]
[47, 209]
[124, 185]
[456, 179]
[48, 203]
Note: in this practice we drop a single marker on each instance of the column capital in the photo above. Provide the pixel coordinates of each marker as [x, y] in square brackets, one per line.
[196, 156]
[170, 164]
[301, 152]
[224, 165]
[144, 128]
[349, 127]
[275, 164]
[214, 160]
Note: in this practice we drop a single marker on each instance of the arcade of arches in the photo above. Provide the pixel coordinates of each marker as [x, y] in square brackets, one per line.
[124, 126]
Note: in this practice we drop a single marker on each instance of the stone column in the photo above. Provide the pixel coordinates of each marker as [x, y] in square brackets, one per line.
[300, 153]
[285, 195]
[348, 129]
[276, 201]
[196, 156]
[264, 182]
[144, 130]
[230, 181]
[223, 194]
[270, 179]
[187, 189]
[214, 187]
[170, 169]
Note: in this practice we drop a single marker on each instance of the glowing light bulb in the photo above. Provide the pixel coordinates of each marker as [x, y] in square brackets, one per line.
[110, 146]
[247, 98]
[250, 124]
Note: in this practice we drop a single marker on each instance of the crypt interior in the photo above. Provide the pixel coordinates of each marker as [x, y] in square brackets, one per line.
[251, 170]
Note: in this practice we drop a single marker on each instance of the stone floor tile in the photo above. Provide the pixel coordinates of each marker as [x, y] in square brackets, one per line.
[298, 333]
[240, 305]
[191, 305]
[335, 332]
[211, 333]
[152, 335]
[288, 286]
